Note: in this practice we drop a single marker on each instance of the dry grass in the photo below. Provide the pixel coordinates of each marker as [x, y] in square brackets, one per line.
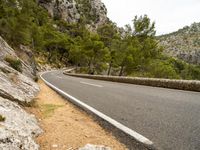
[67, 127]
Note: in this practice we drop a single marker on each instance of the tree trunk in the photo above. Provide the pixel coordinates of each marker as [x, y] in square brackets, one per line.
[90, 66]
[49, 57]
[121, 71]
[61, 58]
[110, 67]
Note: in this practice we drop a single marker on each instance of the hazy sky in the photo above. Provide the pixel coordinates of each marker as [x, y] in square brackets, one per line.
[169, 15]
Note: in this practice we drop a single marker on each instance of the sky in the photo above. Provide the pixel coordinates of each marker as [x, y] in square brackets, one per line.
[169, 15]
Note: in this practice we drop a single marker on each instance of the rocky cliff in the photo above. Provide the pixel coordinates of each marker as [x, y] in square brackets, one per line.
[93, 12]
[184, 44]
[17, 89]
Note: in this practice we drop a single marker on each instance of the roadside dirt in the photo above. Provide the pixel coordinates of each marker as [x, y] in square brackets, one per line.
[65, 126]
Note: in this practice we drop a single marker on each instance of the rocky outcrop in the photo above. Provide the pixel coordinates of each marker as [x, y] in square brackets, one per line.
[183, 44]
[99, 11]
[62, 9]
[19, 129]
[29, 66]
[94, 11]
[16, 86]
[25, 55]
[5, 50]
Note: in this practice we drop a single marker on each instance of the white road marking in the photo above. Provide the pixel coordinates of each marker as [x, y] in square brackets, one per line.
[118, 125]
[92, 84]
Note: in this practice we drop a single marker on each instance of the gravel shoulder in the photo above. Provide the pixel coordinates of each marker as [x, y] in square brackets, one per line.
[65, 126]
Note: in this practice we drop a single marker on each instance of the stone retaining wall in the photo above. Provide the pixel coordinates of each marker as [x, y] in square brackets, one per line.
[190, 85]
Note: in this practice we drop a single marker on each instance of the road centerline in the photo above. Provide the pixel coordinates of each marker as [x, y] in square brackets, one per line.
[96, 85]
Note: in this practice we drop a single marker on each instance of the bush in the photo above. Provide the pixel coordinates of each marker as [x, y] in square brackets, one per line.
[2, 118]
[36, 78]
[14, 63]
[159, 69]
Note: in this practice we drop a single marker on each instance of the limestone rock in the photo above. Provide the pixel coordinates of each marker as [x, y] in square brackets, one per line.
[16, 86]
[64, 9]
[95, 147]
[183, 44]
[18, 130]
[24, 55]
[94, 11]
[5, 50]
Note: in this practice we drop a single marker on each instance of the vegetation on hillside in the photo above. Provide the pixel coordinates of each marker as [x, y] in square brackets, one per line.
[183, 44]
[132, 52]
[14, 63]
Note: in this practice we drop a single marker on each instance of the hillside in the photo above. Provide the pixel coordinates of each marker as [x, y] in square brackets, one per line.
[62, 33]
[184, 44]
[92, 12]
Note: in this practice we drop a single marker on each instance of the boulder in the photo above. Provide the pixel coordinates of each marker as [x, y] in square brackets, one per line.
[19, 129]
[95, 147]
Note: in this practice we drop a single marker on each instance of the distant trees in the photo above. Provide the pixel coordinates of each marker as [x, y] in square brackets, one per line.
[132, 51]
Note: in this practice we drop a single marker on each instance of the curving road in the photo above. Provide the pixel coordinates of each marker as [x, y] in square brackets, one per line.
[170, 118]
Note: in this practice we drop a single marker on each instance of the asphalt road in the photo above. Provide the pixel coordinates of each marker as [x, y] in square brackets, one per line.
[170, 118]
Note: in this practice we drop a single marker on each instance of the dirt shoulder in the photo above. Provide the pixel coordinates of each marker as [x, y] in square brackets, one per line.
[65, 126]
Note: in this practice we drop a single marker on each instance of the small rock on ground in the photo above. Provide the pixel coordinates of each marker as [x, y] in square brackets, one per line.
[95, 147]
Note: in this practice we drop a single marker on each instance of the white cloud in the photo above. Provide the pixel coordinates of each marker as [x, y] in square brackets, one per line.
[169, 15]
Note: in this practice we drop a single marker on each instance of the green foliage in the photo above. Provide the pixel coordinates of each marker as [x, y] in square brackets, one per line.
[143, 26]
[131, 51]
[159, 69]
[138, 47]
[19, 19]
[191, 72]
[88, 14]
[2, 119]
[14, 63]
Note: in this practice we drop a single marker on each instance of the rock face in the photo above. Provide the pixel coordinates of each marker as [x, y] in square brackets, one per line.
[15, 86]
[93, 11]
[25, 55]
[184, 44]
[29, 66]
[64, 9]
[99, 11]
[18, 129]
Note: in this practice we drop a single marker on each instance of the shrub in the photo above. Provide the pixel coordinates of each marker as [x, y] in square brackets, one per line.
[159, 69]
[36, 78]
[2, 118]
[14, 63]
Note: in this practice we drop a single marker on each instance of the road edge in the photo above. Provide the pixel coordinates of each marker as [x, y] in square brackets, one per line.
[186, 85]
[133, 134]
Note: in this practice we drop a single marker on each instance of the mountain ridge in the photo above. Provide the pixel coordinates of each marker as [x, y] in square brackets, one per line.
[92, 12]
[183, 44]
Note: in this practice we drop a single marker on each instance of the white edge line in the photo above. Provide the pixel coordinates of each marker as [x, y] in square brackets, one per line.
[91, 84]
[118, 125]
